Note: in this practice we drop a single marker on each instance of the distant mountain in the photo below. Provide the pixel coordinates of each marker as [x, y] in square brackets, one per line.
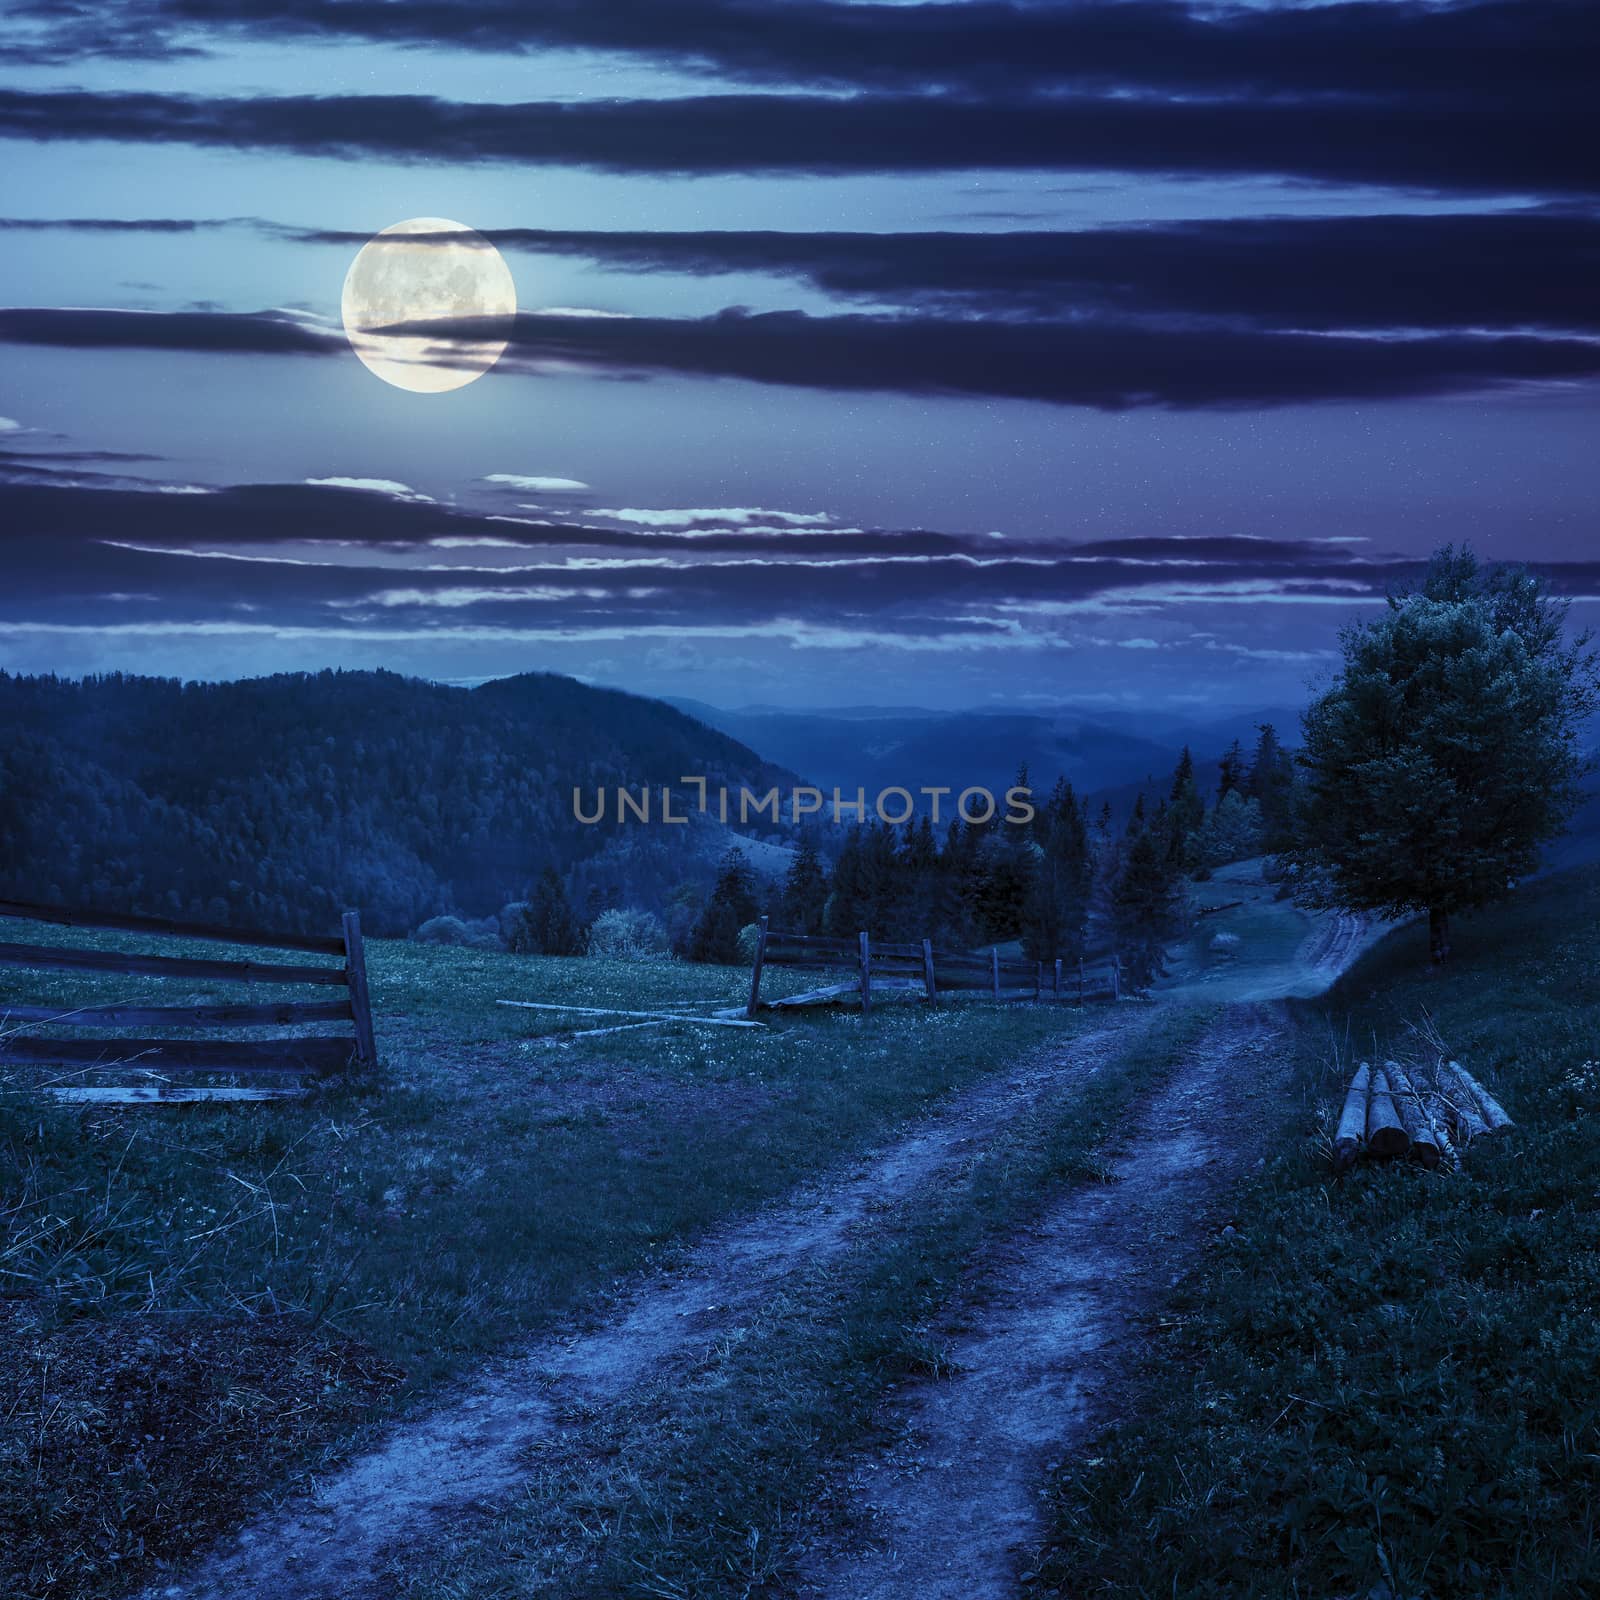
[873, 748]
[277, 802]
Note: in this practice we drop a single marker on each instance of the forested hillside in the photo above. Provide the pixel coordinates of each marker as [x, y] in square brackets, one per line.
[279, 801]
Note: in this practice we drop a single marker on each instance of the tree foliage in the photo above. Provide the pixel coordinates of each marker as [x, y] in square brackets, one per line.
[1448, 750]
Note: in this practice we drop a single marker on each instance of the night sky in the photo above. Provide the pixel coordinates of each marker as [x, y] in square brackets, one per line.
[918, 354]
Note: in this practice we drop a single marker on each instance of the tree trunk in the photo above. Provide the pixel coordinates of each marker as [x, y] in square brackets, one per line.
[1438, 935]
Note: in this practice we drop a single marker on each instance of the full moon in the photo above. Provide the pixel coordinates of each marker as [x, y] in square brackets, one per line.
[428, 270]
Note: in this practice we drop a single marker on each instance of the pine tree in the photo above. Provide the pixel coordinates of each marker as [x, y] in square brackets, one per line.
[1057, 908]
[548, 926]
[1146, 908]
[1271, 785]
[805, 890]
[731, 907]
[850, 903]
[1230, 773]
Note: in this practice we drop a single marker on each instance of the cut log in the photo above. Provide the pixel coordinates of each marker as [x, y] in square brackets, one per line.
[1352, 1120]
[1439, 1116]
[1490, 1109]
[1461, 1106]
[1418, 1126]
[1386, 1133]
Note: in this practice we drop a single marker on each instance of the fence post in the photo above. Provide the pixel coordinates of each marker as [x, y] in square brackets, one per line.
[755, 972]
[1116, 977]
[355, 957]
[1080, 980]
[866, 974]
[1058, 978]
[1038, 982]
[994, 969]
[927, 972]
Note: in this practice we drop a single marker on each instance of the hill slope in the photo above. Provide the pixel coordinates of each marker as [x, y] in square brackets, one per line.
[277, 801]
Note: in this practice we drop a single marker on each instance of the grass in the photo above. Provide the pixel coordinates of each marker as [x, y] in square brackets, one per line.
[261, 1281]
[705, 1484]
[1386, 1385]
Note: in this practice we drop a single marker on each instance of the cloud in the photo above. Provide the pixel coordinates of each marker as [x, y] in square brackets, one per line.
[1542, 146]
[256, 332]
[716, 517]
[385, 486]
[10, 425]
[516, 480]
[1531, 268]
[1483, 50]
[1106, 364]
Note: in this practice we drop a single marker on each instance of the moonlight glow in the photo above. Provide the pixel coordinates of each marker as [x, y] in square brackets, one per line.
[428, 270]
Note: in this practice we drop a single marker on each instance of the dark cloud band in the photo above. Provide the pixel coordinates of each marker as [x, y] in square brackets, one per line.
[1109, 365]
[1472, 270]
[1481, 51]
[1545, 146]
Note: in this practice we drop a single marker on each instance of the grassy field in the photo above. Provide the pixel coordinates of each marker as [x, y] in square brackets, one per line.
[1386, 1385]
[196, 1301]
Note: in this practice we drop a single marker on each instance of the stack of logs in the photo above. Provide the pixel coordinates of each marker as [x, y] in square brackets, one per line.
[1431, 1116]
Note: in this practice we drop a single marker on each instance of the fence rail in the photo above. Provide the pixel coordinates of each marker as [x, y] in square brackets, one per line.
[300, 1053]
[1094, 977]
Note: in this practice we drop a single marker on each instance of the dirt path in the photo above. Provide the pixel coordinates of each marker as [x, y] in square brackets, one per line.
[948, 1509]
[426, 1472]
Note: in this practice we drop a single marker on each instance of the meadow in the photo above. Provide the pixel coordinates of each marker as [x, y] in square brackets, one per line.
[214, 1297]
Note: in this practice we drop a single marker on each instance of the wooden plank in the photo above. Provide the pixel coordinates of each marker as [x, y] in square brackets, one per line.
[162, 1094]
[319, 1053]
[355, 960]
[817, 941]
[814, 997]
[866, 974]
[116, 922]
[55, 959]
[812, 958]
[618, 1011]
[755, 971]
[928, 980]
[284, 1013]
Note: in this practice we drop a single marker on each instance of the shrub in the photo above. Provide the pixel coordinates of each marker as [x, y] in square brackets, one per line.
[480, 934]
[628, 936]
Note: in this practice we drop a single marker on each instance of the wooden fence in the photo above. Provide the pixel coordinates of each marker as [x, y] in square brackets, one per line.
[1096, 977]
[293, 1053]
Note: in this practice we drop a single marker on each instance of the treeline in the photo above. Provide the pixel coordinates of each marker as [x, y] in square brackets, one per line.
[1060, 885]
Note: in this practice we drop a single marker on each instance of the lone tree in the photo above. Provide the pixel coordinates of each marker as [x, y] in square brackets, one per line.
[1448, 750]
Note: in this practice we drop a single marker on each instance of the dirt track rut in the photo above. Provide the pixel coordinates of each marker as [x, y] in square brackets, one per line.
[947, 1509]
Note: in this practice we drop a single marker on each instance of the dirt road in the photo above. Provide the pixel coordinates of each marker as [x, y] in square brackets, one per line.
[947, 1508]
[396, 1498]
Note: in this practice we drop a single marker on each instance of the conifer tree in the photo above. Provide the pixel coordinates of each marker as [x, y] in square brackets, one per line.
[548, 926]
[805, 890]
[1146, 907]
[732, 905]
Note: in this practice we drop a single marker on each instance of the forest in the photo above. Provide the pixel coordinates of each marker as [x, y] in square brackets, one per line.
[1060, 884]
[278, 802]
